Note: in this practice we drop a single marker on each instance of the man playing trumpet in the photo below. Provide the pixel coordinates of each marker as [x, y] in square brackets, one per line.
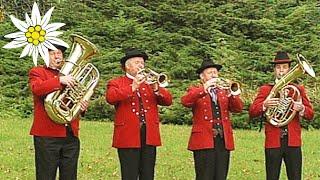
[282, 142]
[136, 125]
[211, 138]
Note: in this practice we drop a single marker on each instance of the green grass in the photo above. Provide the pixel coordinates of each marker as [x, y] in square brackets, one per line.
[99, 161]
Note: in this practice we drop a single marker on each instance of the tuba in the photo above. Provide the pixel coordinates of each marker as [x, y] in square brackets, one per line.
[154, 77]
[63, 106]
[283, 113]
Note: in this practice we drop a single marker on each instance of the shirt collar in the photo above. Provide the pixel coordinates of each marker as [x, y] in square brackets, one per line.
[52, 68]
[129, 76]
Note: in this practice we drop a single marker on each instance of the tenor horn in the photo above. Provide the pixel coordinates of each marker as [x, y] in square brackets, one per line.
[283, 113]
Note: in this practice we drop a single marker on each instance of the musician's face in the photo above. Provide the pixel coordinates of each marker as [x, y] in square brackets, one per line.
[56, 59]
[209, 73]
[133, 65]
[281, 70]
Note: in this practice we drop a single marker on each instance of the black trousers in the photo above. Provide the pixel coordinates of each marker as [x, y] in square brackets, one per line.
[212, 164]
[138, 162]
[292, 158]
[52, 153]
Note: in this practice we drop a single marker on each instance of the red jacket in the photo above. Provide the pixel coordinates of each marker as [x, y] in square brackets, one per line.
[43, 81]
[200, 102]
[127, 124]
[272, 133]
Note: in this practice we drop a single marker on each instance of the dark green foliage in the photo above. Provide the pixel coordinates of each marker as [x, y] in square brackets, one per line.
[243, 36]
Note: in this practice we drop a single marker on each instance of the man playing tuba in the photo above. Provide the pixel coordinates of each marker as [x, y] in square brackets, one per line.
[56, 145]
[211, 138]
[282, 142]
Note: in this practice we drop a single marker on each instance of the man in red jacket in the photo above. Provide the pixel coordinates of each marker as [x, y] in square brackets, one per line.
[282, 142]
[56, 145]
[211, 138]
[136, 125]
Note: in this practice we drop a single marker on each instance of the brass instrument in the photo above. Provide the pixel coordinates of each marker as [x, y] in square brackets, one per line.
[63, 106]
[226, 84]
[154, 77]
[283, 113]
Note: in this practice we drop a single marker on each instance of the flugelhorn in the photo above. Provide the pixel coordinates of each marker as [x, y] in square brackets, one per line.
[226, 84]
[154, 77]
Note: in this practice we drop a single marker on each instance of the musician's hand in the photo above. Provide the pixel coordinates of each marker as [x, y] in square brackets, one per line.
[155, 87]
[271, 102]
[297, 106]
[68, 80]
[137, 81]
[84, 105]
[209, 83]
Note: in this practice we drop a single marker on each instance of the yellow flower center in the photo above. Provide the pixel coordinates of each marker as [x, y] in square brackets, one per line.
[35, 35]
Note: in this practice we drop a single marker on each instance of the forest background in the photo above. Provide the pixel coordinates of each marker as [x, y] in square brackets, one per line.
[242, 35]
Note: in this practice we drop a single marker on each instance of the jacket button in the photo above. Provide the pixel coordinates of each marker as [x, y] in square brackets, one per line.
[145, 94]
[145, 110]
[203, 97]
[147, 100]
[205, 110]
[206, 117]
[137, 113]
[133, 110]
[133, 104]
[211, 121]
[143, 89]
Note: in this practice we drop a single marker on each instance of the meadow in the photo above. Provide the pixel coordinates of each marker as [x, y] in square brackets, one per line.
[98, 160]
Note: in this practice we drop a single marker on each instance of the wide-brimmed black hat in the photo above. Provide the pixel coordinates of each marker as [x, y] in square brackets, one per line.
[281, 58]
[133, 52]
[207, 63]
[62, 48]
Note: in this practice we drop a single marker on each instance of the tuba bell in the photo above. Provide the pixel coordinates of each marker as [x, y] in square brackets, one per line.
[154, 77]
[283, 113]
[63, 106]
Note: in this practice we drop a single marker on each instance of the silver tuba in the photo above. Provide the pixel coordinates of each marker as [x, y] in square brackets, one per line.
[63, 106]
[283, 113]
[154, 77]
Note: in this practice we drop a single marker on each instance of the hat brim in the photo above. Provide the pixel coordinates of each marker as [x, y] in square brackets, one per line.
[217, 66]
[281, 61]
[125, 58]
[61, 48]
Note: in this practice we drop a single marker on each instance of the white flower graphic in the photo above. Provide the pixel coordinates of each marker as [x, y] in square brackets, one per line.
[36, 34]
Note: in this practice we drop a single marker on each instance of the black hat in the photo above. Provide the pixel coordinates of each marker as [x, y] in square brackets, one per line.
[133, 52]
[207, 63]
[62, 48]
[281, 58]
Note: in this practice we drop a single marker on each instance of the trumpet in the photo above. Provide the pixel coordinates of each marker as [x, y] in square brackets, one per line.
[225, 84]
[154, 77]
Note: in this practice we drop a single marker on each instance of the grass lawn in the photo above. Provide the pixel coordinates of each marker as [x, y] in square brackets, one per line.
[99, 161]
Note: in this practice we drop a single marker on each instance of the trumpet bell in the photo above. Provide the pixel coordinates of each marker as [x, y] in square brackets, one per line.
[153, 77]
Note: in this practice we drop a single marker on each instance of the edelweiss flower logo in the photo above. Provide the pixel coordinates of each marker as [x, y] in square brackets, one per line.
[36, 34]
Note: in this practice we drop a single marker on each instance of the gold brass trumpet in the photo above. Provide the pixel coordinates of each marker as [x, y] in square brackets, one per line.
[226, 84]
[154, 77]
